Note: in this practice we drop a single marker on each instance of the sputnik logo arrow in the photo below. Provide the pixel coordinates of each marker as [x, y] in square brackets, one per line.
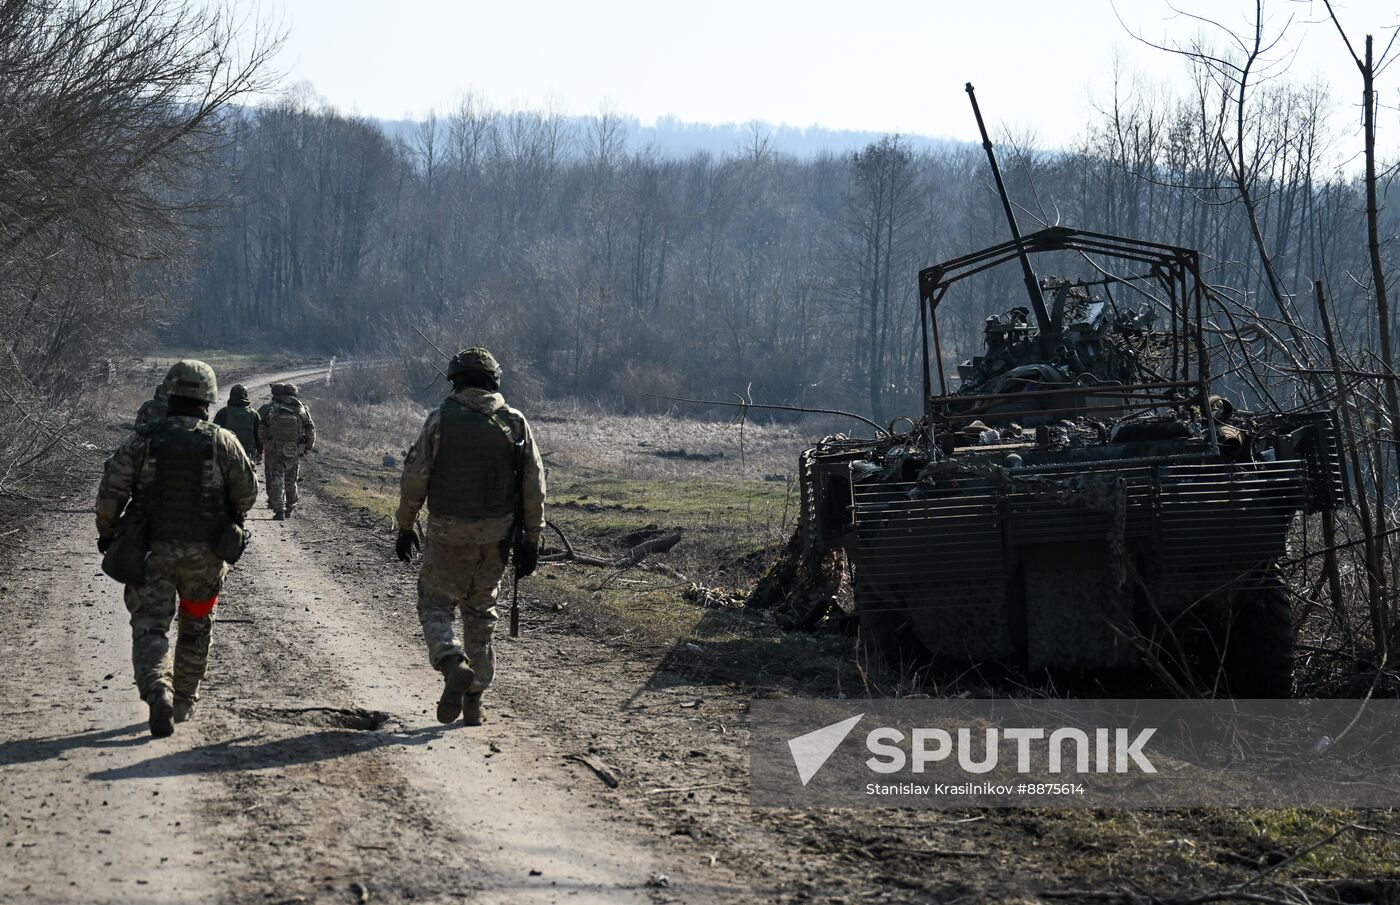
[811, 751]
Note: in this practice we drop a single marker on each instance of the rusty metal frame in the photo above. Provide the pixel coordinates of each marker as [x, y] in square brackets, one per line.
[1175, 269]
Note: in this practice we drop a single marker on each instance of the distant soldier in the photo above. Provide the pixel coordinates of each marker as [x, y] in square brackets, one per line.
[153, 409]
[191, 482]
[239, 419]
[474, 460]
[289, 434]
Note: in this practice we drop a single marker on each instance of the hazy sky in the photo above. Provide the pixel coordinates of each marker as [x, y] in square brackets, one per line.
[880, 65]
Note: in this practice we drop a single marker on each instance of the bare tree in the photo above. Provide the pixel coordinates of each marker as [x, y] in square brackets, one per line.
[108, 109]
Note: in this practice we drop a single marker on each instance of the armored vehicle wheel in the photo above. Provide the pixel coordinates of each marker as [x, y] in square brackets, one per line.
[1259, 653]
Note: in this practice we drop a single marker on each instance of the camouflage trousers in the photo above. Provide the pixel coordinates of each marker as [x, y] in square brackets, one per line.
[183, 577]
[281, 476]
[461, 570]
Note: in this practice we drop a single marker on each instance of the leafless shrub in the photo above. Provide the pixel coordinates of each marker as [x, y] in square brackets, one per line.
[107, 108]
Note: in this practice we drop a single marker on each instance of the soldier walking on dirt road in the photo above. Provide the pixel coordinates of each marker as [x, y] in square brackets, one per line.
[240, 420]
[187, 483]
[476, 465]
[290, 434]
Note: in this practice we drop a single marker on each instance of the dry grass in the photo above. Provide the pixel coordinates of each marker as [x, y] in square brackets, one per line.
[580, 439]
[606, 482]
[387, 428]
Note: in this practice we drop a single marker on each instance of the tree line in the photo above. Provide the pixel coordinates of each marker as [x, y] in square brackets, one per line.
[604, 272]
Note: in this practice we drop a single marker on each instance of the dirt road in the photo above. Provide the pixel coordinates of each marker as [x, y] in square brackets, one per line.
[314, 770]
[613, 766]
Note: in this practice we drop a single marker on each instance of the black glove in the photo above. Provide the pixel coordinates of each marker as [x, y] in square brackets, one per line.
[406, 544]
[103, 543]
[527, 556]
[236, 518]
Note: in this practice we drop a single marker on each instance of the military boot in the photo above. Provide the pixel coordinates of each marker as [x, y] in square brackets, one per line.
[279, 516]
[184, 708]
[290, 507]
[457, 677]
[471, 709]
[162, 704]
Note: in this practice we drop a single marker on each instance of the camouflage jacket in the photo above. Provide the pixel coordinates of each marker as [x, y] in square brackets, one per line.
[259, 431]
[308, 427]
[151, 411]
[418, 469]
[129, 473]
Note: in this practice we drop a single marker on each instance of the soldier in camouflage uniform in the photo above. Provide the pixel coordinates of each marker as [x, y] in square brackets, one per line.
[473, 461]
[153, 409]
[240, 420]
[289, 434]
[190, 479]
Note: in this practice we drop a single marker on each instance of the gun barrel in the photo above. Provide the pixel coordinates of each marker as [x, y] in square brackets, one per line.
[1042, 315]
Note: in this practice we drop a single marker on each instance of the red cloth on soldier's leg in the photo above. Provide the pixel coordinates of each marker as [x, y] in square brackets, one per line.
[198, 609]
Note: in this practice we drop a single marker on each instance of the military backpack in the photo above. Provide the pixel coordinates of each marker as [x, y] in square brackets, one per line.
[284, 429]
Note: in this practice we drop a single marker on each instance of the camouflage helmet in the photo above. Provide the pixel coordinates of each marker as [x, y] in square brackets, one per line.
[475, 360]
[192, 379]
[238, 393]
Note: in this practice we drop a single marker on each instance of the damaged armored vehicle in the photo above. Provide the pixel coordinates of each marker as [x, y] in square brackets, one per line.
[1084, 498]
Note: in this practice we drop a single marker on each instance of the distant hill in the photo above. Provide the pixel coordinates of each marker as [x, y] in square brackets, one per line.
[672, 137]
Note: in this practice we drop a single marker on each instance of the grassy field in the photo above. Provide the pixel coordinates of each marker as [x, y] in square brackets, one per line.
[609, 490]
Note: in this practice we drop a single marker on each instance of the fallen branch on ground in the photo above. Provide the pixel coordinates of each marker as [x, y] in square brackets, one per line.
[606, 773]
[660, 544]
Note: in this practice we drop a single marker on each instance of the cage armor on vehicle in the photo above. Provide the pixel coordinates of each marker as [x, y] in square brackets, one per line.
[1083, 499]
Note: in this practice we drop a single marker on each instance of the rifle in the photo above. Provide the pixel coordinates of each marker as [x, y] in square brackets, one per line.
[517, 531]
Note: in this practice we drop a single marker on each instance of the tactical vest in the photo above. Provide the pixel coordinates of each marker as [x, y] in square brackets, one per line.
[474, 472]
[284, 423]
[242, 421]
[187, 495]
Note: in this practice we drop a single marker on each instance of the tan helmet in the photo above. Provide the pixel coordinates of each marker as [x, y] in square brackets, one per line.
[475, 360]
[191, 379]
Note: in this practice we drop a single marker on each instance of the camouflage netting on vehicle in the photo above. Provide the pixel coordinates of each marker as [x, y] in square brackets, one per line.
[802, 587]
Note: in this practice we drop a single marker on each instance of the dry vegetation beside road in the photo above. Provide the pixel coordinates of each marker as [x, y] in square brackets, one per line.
[650, 672]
